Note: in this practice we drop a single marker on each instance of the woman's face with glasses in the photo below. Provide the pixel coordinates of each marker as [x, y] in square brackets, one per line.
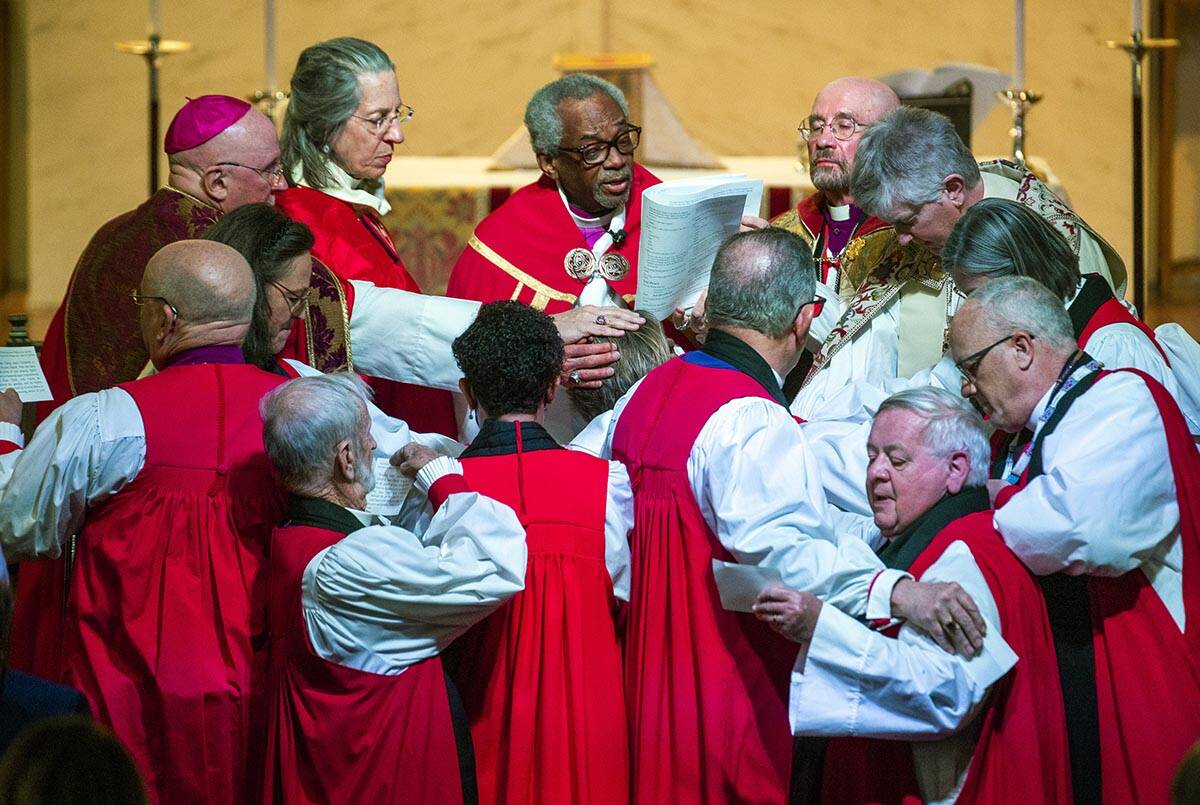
[364, 144]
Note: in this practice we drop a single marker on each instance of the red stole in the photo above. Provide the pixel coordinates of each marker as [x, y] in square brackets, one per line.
[517, 252]
[352, 241]
[167, 596]
[1147, 674]
[707, 689]
[541, 676]
[339, 735]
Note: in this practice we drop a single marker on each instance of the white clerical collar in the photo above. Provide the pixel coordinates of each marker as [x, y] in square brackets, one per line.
[367, 192]
[589, 223]
[839, 213]
[1074, 296]
[367, 518]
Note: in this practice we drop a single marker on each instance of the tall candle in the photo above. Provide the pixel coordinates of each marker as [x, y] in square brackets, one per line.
[155, 18]
[1137, 16]
[1019, 44]
[269, 50]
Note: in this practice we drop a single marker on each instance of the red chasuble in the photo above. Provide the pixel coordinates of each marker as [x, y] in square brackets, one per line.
[167, 597]
[517, 252]
[1021, 753]
[336, 734]
[352, 240]
[707, 688]
[541, 676]
[1146, 673]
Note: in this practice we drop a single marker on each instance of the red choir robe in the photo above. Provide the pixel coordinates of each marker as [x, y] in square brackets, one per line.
[541, 676]
[94, 341]
[707, 688]
[1134, 679]
[167, 604]
[517, 252]
[1021, 751]
[337, 734]
[352, 240]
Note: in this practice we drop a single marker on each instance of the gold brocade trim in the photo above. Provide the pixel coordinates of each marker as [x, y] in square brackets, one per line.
[543, 293]
[330, 307]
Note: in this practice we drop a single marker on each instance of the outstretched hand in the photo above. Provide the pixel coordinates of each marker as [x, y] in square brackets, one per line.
[587, 321]
[790, 612]
[10, 407]
[587, 365]
[944, 611]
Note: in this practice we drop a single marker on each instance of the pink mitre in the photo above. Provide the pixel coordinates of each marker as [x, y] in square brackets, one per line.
[201, 119]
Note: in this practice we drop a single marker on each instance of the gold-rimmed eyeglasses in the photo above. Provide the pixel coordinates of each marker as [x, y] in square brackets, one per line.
[378, 124]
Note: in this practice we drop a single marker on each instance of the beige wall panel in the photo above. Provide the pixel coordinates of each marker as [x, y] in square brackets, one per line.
[740, 76]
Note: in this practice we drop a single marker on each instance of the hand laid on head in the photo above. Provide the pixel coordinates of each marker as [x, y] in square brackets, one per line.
[412, 457]
[587, 365]
[584, 322]
[944, 611]
[790, 612]
[750, 222]
[10, 407]
[693, 320]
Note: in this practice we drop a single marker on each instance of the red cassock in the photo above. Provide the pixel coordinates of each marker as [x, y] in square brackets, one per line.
[352, 240]
[1146, 672]
[541, 676]
[1021, 753]
[517, 252]
[707, 689]
[340, 735]
[167, 598]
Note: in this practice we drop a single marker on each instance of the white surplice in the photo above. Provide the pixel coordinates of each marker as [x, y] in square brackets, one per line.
[759, 489]
[1105, 503]
[856, 682]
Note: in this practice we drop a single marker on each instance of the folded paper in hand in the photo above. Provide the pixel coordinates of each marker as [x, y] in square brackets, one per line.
[739, 585]
[20, 370]
[391, 488]
[684, 222]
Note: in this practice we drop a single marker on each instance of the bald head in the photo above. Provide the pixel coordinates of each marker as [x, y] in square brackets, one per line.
[207, 282]
[758, 281]
[234, 167]
[831, 160]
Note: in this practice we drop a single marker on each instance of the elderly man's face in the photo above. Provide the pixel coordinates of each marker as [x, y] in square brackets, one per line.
[249, 159]
[990, 364]
[364, 144]
[830, 160]
[904, 477]
[601, 188]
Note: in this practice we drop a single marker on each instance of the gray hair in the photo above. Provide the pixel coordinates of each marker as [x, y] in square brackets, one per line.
[759, 280]
[1021, 303]
[997, 237]
[324, 96]
[951, 426]
[305, 419]
[542, 116]
[904, 158]
[641, 350]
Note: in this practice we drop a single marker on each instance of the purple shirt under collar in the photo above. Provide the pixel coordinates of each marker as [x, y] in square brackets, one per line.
[224, 353]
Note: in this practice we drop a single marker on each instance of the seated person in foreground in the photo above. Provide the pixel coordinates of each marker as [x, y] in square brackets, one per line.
[986, 729]
[542, 677]
[360, 708]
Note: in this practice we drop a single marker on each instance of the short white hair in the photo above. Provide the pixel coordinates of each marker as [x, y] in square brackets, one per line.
[1022, 303]
[951, 426]
[305, 419]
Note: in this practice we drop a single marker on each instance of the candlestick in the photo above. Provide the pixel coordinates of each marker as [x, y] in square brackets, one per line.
[269, 49]
[1137, 16]
[1019, 44]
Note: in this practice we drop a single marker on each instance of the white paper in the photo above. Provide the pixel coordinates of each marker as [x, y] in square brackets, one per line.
[391, 488]
[20, 370]
[739, 585]
[684, 222]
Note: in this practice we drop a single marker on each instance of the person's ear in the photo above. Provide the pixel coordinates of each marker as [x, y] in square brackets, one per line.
[955, 188]
[803, 323]
[215, 183]
[465, 387]
[1024, 346]
[958, 471]
[546, 163]
[344, 460]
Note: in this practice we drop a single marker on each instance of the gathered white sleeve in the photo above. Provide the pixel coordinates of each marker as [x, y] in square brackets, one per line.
[759, 488]
[383, 598]
[1106, 502]
[618, 522]
[86, 451]
[1124, 346]
[855, 681]
[406, 337]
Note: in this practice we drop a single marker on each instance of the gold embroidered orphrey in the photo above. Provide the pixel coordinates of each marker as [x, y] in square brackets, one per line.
[581, 264]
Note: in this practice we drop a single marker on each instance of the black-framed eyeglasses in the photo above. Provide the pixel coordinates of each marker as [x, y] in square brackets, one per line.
[270, 174]
[139, 300]
[818, 303]
[593, 154]
[381, 123]
[296, 301]
[969, 365]
[842, 127]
